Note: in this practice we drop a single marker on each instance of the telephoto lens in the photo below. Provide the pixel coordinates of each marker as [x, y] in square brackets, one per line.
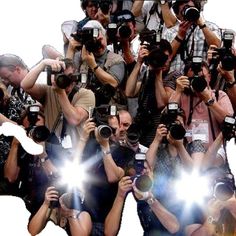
[191, 13]
[62, 81]
[177, 131]
[39, 133]
[104, 131]
[143, 183]
[223, 190]
[198, 83]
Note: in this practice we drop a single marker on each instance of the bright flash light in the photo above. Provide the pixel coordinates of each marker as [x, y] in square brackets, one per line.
[73, 175]
[192, 188]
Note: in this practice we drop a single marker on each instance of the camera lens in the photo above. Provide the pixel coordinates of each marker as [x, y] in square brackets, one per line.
[62, 81]
[198, 83]
[191, 13]
[104, 131]
[39, 133]
[223, 191]
[177, 131]
[143, 183]
[124, 31]
[228, 62]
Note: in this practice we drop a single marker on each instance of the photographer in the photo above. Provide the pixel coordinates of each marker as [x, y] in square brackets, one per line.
[74, 221]
[191, 35]
[167, 156]
[26, 173]
[149, 83]
[65, 108]
[159, 213]
[103, 69]
[204, 111]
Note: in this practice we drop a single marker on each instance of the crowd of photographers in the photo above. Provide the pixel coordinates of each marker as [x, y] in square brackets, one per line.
[144, 93]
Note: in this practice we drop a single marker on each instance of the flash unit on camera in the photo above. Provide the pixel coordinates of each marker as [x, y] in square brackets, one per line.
[112, 26]
[83, 78]
[95, 33]
[197, 60]
[34, 108]
[113, 110]
[173, 106]
[230, 120]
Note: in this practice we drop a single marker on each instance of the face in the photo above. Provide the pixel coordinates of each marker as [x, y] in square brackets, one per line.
[133, 29]
[103, 42]
[11, 76]
[166, 66]
[114, 123]
[125, 122]
[91, 10]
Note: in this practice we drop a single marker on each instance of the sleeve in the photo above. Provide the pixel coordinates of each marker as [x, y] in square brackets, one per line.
[225, 102]
[117, 71]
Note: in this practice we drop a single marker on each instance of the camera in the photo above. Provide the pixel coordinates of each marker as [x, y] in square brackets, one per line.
[190, 13]
[38, 133]
[224, 54]
[142, 181]
[229, 127]
[88, 37]
[100, 116]
[197, 83]
[224, 187]
[133, 134]
[71, 199]
[62, 80]
[168, 118]
[121, 28]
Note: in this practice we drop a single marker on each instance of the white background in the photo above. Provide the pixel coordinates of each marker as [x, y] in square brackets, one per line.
[25, 26]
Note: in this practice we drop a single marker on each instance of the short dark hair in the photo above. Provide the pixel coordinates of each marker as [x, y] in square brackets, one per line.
[165, 46]
[84, 3]
[124, 15]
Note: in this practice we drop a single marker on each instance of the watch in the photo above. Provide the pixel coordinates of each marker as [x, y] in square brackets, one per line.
[211, 220]
[150, 201]
[210, 102]
[42, 160]
[106, 152]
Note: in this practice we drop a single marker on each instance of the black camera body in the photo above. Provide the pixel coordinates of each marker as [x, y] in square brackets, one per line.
[229, 128]
[38, 133]
[226, 57]
[88, 37]
[120, 29]
[100, 116]
[142, 181]
[197, 83]
[190, 13]
[168, 118]
[62, 80]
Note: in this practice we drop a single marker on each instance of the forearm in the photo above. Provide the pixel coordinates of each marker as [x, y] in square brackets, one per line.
[30, 79]
[175, 97]
[127, 54]
[168, 16]
[5, 119]
[152, 153]
[113, 219]
[184, 156]
[11, 169]
[104, 77]
[39, 220]
[168, 220]
[160, 92]
[206, 230]
[232, 96]
[137, 7]
[71, 113]
[131, 85]
[210, 37]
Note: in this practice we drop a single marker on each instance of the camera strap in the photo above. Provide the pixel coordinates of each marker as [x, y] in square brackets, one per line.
[211, 124]
[185, 55]
[191, 109]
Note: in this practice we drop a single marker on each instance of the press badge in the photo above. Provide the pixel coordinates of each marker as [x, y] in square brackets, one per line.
[66, 142]
[200, 130]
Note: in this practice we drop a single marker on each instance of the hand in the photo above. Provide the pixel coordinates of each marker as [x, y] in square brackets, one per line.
[228, 75]
[125, 185]
[74, 44]
[88, 57]
[183, 27]
[141, 195]
[143, 52]
[211, 53]
[214, 208]
[181, 83]
[102, 18]
[88, 127]
[56, 65]
[173, 141]
[161, 132]
[104, 142]
[205, 95]
[50, 195]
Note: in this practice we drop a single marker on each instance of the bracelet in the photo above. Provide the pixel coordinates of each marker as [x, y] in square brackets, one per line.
[202, 26]
[95, 68]
[107, 152]
[75, 216]
[178, 39]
